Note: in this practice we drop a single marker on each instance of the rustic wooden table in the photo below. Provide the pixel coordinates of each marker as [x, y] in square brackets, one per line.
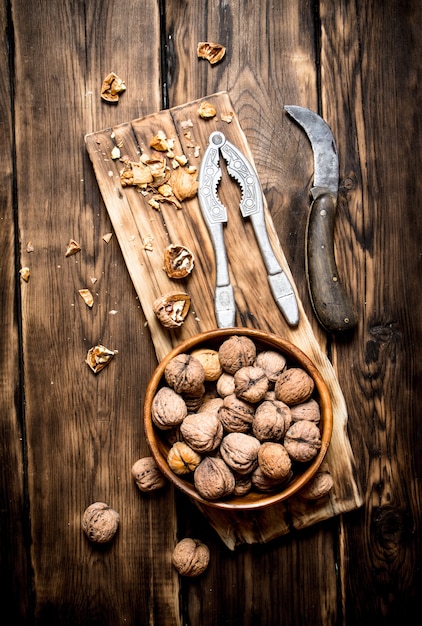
[69, 437]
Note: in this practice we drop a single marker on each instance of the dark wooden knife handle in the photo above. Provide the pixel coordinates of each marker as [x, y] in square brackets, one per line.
[331, 304]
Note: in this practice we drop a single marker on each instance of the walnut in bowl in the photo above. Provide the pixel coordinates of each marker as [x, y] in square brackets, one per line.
[258, 435]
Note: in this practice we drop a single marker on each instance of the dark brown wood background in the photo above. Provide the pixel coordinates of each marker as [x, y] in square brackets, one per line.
[68, 437]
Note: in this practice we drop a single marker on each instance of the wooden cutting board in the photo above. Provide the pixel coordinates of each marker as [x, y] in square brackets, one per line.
[144, 232]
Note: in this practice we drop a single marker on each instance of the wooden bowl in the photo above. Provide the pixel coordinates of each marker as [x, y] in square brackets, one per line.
[159, 446]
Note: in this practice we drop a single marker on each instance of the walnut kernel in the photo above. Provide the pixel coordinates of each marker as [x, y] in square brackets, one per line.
[212, 52]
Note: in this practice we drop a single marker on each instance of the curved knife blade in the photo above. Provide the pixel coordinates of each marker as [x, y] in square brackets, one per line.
[330, 302]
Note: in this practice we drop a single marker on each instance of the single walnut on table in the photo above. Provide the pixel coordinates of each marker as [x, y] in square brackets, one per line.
[190, 557]
[100, 522]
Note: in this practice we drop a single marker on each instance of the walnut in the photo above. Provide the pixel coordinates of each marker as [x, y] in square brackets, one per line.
[308, 410]
[160, 142]
[185, 374]
[272, 362]
[182, 459]
[210, 361]
[147, 475]
[236, 415]
[203, 432]
[251, 383]
[212, 52]
[240, 452]
[303, 441]
[242, 486]
[190, 557]
[194, 400]
[112, 87]
[178, 261]
[274, 460]
[263, 483]
[236, 352]
[172, 308]
[225, 385]
[271, 420]
[294, 386]
[319, 486]
[213, 479]
[100, 522]
[168, 409]
[212, 405]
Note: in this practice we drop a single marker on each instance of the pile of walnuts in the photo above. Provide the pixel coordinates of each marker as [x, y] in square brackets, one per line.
[237, 418]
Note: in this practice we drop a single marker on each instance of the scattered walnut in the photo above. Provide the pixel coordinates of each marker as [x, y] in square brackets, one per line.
[308, 410]
[100, 522]
[159, 142]
[203, 431]
[294, 386]
[303, 441]
[236, 415]
[250, 383]
[182, 459]
[112, 87]
[320, 485]
[240, 452]
[178, 261]
[185, 374]
[168, 409]
[213, 479]
[172, 308]
[271, 420]
[207, 110]
[147, 475]
[210, 362]
[274, 460]
[272, 362]
[236, 352]
[72, 248]
[98, 357]
[87, 297]
[212, 52]
[190, 557]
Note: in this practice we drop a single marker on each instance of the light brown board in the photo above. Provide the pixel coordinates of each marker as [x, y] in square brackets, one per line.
[135, 222]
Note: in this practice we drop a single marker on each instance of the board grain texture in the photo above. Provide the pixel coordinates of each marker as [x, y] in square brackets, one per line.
[69, 437]
[144, 232]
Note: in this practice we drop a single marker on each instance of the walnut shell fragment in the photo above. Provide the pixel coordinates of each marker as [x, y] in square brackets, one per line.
[112, 87]
[212, 52]
[100, 522]
[172, 308]
[184, 183]
[87, 297]
[98, 357]
[72, 248]
[178, 261]
[25, 273]
[190, 557]
[147, 475]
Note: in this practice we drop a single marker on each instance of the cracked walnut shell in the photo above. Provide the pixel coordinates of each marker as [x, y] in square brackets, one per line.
[190, 557]
[212, 52]
[100, 522]
[172, 308]
[178, 261]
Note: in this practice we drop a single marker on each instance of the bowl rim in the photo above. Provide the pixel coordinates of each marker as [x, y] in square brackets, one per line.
[262, 499]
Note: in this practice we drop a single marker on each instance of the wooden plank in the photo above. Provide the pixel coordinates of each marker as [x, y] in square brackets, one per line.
[84, 432]
[255, 306]
[379, 232]
[14, 561]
